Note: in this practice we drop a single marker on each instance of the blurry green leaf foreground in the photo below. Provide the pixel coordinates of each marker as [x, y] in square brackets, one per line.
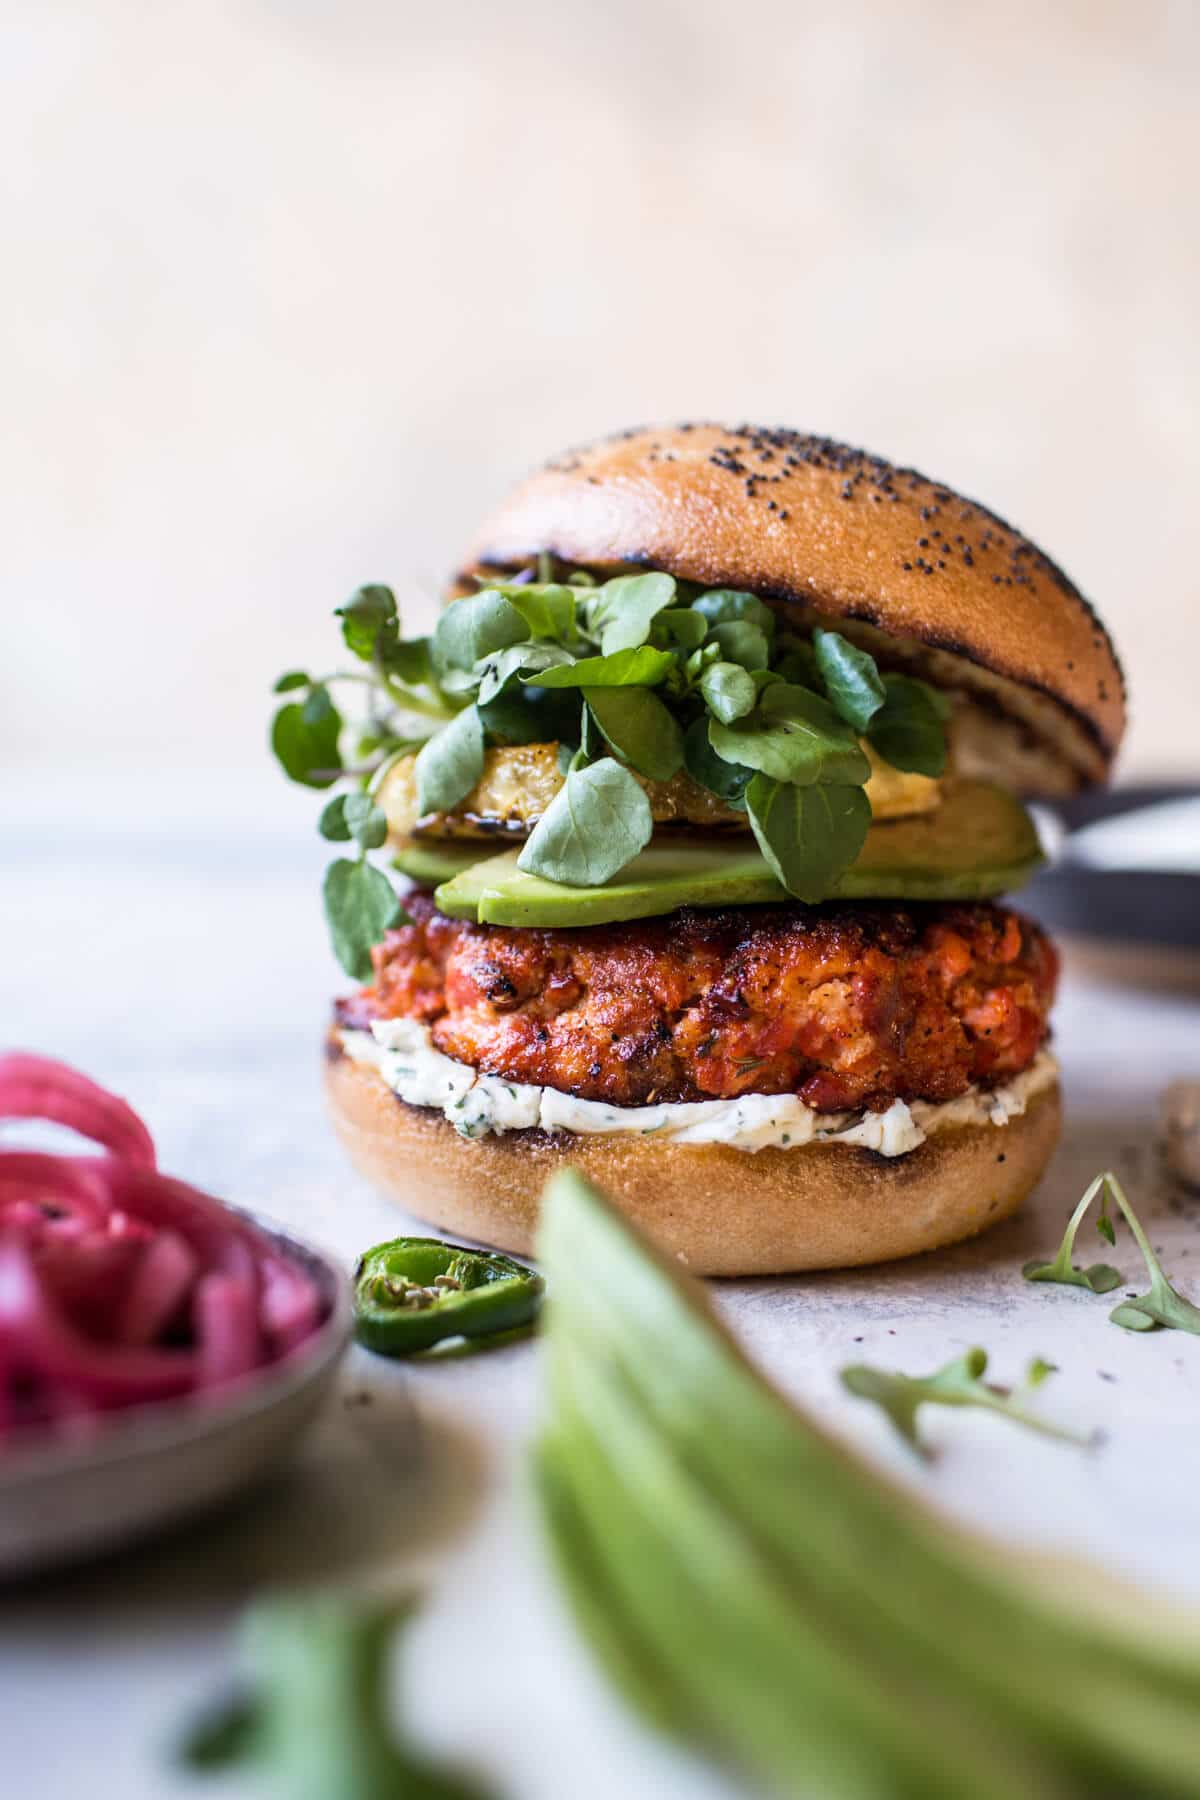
[760, 1592]
[310, 1721]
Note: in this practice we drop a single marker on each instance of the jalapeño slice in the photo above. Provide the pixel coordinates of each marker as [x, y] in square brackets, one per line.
[412, 1293]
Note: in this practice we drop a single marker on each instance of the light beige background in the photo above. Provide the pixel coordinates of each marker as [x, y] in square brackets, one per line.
[292, 288]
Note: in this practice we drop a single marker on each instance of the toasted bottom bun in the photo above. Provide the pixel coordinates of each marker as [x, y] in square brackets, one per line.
[721, 1211]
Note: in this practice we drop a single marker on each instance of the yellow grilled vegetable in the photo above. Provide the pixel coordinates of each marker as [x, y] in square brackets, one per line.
[518, 784]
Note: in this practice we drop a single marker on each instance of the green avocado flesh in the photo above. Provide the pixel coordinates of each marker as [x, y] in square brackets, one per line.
[980, 842]
[436, 861]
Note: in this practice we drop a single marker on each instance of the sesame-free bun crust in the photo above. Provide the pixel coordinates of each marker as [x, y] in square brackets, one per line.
[721, 1211]
[845, 536]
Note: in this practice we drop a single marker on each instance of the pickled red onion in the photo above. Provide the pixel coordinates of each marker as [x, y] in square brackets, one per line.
[120, 1285]
[35, 1087]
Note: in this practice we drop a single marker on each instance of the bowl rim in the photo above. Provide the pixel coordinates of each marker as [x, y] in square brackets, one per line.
[161, 1425]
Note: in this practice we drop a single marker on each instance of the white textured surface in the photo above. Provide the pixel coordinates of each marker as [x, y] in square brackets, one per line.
[168, 939]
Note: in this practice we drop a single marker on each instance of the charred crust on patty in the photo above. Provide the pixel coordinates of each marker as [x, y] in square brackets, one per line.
[847, 1005]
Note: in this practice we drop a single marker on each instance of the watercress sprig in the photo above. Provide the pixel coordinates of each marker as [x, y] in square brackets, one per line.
[308, 736]
[636, 678]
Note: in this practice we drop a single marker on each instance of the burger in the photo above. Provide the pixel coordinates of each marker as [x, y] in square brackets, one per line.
[680, 851]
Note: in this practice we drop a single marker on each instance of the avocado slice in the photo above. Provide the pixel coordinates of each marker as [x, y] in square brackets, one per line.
[978, 843]
[438, 860]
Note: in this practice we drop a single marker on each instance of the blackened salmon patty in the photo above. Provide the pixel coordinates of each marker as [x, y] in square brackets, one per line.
[847, 1006]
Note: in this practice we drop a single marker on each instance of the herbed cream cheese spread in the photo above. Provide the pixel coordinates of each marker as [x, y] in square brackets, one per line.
[475, 1104]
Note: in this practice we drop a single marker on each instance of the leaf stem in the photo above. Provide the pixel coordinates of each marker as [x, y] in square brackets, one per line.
[370, 768]
[1063, 1263]
[407, 701]
[1117, 1192]
[397, 693]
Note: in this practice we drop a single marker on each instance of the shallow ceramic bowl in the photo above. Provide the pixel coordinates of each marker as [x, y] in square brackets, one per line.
[160, 1464]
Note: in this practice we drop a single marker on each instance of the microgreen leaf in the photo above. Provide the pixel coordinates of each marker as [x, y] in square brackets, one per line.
[958, 1383]
[354, 816]
[852, 681]
[681, 625]
[591, 738]
[497, 670]
[1038, 1371]
[370, 625]
[722, 605]
[727, 780]
[1100, 1278]
[639, 728]
[809, 836]
[1161, 1305]
[367, 822]
[641, 667]
[793, 736]
[699, 660]
[1137, 1315]
[596, 823]
[548, 608]
[460, 684]
[908, 729]
[531, 715]
[470, 629]
[295, 678]
[411, 660]
[305, 738]
[622, 612]
[332, 822]
[729, 691]
[372, 741]
[743, 642]
[796, 662]
[360, 905]
[450, 763]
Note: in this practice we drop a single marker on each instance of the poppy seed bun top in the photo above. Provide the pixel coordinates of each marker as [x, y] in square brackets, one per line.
[904, 565]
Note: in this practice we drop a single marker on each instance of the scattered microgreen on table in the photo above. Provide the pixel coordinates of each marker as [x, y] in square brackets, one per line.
[637, 678]
[1161, 1306]
[959, 1383]
[1099, 1278]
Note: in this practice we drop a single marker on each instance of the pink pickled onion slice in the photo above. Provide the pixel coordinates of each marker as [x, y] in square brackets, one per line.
[35, 1339]
[87, 1277]
[120, 1285]
[35, 1087]
[212, 1230]
[160, 1285]
[226, 1309]
[291, 1306]
[75, 1185]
